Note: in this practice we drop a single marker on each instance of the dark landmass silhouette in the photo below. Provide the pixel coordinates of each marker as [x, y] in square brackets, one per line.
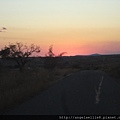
[96, 54]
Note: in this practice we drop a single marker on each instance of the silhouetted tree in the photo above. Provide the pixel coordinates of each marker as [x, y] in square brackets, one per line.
[51, 60]
[19, 53]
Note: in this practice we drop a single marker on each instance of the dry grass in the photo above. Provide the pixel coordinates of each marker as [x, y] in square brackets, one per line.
[113, 70]
[17, 87]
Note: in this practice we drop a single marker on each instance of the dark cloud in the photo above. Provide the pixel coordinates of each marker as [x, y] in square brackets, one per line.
[3, 28]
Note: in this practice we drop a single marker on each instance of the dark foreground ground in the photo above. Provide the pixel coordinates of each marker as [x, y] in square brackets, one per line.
[87, 92]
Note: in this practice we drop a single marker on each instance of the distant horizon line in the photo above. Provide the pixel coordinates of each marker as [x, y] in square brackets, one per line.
[94, 54]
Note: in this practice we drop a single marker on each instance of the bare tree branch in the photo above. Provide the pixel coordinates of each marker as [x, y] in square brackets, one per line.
[19, 52]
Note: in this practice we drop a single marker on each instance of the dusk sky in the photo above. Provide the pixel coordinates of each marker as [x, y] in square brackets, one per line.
[72, 26]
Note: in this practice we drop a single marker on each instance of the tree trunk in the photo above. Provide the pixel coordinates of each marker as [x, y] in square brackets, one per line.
[21, 68]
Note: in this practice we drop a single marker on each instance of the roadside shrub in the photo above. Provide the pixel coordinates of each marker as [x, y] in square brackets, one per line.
[51, 60]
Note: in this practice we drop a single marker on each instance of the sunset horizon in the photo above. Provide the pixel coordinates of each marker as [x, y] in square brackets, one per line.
[78, 27]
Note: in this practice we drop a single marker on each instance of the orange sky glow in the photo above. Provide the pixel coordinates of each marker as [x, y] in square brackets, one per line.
[78, 27]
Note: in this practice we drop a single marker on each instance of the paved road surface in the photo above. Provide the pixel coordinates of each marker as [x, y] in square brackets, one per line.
[82, 93]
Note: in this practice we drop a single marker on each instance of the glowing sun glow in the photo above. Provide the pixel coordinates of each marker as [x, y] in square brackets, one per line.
[78, 27]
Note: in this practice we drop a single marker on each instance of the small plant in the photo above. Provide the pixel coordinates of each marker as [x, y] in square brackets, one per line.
[51, 60]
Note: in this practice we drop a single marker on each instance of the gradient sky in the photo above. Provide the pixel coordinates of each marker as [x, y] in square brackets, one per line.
[72, 26]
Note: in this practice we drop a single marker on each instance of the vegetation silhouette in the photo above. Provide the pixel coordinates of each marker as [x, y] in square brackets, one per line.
[52, 60]
[19, 53]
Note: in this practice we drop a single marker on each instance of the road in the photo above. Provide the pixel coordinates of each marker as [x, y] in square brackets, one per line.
[82, 93]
